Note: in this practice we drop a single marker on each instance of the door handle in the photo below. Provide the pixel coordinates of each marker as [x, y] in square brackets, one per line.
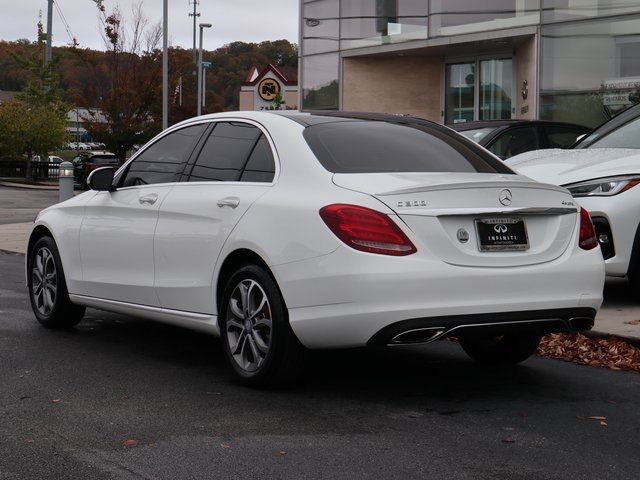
[232, 202]
[148, 199]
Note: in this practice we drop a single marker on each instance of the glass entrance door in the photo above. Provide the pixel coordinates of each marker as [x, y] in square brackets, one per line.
[485, 96]
[496, 85]
[459, 92]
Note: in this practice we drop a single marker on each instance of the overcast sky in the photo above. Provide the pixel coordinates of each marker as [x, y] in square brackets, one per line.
[246, 20]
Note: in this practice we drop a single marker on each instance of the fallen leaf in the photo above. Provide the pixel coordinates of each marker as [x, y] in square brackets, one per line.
[130, 442]
[610, 352]
[29, 440]
[633, 322]
[508, 440]
[282, 453]
[57, 400]
[224, 445]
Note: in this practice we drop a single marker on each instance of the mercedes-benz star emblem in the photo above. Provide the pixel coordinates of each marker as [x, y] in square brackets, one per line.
[505, 197]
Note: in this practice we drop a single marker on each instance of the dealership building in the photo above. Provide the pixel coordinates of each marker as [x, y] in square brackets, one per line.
[461, 60]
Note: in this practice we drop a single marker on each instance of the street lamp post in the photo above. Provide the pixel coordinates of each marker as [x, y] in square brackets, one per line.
[202, 27]
[165, 64]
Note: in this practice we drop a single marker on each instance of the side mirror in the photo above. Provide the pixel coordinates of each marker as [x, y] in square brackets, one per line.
[101, 179]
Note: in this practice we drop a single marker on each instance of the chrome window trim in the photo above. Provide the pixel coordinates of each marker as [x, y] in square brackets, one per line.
[263, 129]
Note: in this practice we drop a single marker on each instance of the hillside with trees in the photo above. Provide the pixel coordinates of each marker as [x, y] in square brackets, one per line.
[123, 81]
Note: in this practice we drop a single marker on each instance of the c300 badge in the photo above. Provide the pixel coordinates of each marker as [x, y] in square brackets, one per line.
[412, 203]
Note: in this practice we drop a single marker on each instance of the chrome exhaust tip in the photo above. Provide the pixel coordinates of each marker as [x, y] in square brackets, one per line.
[581, 323]
[418, 336]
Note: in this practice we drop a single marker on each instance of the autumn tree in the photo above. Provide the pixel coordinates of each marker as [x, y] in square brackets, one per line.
[36, 121]
[126, 86]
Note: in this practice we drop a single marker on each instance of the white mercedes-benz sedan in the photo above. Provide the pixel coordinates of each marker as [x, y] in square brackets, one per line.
[287, 232]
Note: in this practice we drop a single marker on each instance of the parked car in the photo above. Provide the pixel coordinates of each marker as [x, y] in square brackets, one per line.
[86, 162]
[283, 232]
[54, 159]
[602, 174]
[506, 138]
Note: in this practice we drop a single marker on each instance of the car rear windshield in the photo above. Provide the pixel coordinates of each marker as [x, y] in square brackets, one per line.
[363, 146]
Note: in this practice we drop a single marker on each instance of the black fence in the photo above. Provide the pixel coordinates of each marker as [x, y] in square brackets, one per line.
[40, 170]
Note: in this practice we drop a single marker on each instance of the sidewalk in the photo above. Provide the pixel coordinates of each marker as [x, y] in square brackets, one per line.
[31, 186]
[619, 316]
[13, 237]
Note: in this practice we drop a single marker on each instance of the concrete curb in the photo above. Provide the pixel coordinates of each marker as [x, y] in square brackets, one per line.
[634, 341]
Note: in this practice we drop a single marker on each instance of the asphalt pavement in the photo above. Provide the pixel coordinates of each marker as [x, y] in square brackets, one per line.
[124, 398]
[19, 205]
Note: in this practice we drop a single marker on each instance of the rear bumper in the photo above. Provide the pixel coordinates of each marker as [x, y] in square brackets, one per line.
[538, 322]
[344, 299]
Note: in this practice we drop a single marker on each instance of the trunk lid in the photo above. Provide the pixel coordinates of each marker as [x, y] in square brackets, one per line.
[442, 210]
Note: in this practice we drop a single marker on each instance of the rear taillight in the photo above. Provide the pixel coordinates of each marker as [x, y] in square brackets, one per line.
[366, 230]
[588, 238]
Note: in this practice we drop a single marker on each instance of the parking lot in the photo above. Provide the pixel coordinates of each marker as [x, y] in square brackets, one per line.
[72, 400]
[120, 397]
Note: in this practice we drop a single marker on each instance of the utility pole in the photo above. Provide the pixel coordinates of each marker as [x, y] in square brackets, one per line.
[165, 64]
[195, 15]
[47, 52]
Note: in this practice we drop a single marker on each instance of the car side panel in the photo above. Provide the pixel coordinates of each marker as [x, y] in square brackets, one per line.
[64, 222]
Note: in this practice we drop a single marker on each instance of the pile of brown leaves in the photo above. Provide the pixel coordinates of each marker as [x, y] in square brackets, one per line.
[608, 352]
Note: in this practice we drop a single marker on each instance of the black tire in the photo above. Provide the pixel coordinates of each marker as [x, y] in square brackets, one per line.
[59, 311]
[500, 350]
[634, 278]
[285, 357]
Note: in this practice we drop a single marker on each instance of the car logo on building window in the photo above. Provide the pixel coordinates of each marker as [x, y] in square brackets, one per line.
[505, 197]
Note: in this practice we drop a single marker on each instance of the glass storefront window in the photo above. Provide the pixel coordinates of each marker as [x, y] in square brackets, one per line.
[378, 22]
[460, 92]
[496, 79]
[590, 70]
[320, 26]
[320, 81]
[455, 17]
[561, 10]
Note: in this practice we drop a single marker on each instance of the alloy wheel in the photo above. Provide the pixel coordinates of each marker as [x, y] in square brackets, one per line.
[249, 325]
[44, 281]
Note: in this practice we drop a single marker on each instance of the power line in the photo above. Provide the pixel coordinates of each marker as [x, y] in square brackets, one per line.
[72, 37]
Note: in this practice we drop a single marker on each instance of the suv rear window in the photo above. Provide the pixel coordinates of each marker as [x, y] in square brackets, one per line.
[103, 159]
[362, 146]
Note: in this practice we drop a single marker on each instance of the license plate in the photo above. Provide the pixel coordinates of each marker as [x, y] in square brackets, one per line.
[502, 234]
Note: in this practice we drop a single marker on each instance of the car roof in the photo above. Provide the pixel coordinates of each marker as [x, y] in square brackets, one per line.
[313, 117]
[95, 153]
[460, 127]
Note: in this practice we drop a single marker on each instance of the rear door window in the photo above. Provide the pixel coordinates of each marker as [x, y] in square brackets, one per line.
[226, 152]
[562, 137]
[515, 141]
[261, 166]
